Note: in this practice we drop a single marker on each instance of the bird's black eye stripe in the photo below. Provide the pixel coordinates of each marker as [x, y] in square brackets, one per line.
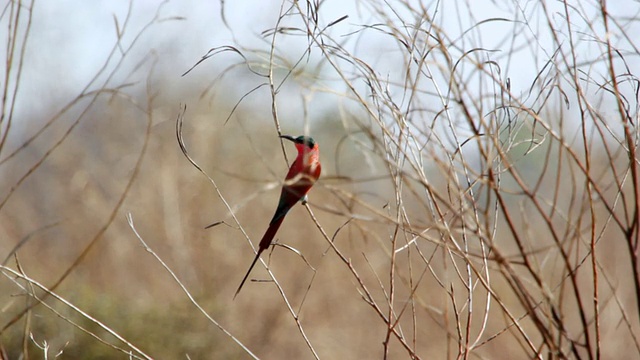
[307, 140]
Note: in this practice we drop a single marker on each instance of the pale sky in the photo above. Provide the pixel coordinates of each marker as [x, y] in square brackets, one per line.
[71, 38]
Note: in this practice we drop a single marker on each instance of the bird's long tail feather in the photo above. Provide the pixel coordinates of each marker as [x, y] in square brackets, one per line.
[267, 238]
[255, 259]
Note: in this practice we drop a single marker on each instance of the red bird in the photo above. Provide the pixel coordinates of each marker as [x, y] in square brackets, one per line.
[302, 174]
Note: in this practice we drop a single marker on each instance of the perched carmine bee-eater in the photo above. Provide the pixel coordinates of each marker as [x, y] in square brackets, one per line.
[302, 174]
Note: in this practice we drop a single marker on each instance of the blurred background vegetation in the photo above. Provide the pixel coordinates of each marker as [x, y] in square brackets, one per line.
[479, 195]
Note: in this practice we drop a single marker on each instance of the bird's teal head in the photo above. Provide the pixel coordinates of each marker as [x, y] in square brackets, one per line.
[306, 140]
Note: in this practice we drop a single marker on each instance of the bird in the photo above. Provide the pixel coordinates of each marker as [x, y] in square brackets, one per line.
[302, 174]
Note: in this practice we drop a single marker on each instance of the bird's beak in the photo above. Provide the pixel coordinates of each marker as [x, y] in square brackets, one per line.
[288, 137]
